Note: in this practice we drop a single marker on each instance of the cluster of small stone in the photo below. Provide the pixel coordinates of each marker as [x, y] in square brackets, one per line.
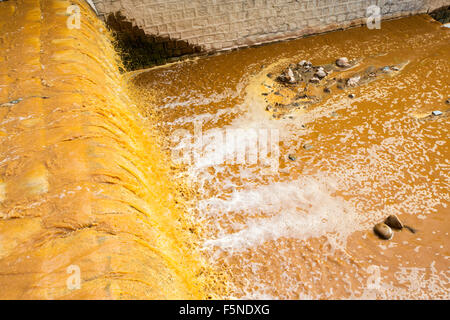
[312, 84]
[306, 72]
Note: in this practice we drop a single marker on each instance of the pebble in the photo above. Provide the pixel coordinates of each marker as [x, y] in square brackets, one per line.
[314, 80]
[437, 113]
[447, 101]
[290, 75]
[321, 74]
[383, 231]
[353, 82]
[394, 222]
[342, 62]
[351, 96]
[326, 90]
[307, 146]
[305, 63]
[292, 157]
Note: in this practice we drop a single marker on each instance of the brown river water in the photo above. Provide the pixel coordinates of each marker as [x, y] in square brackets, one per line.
[284, 229]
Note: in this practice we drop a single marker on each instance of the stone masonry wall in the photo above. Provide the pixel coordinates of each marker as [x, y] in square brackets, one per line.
[215, 25]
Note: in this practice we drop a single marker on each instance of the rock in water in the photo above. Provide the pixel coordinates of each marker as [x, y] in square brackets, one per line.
[321, 73]
[353, 82]
[314, 80]
[305, 64]
[342, 62]
[290, 75]
[383, 231]
[394, 222]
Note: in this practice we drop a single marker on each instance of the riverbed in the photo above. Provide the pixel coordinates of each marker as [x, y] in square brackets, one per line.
[293, 218]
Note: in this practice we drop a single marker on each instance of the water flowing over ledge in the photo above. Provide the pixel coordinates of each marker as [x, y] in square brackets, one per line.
[84, 187]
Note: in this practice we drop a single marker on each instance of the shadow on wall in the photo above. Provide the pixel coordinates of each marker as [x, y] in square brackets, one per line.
[139, 50]
[442, 14]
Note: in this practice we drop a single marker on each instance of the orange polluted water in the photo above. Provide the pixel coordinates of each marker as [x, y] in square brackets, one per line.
[303, 228]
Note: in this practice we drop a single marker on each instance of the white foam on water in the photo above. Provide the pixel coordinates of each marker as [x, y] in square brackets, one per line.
[421, 283]
[226, 146]
[200, 99]
[298, 209]
[203, 117]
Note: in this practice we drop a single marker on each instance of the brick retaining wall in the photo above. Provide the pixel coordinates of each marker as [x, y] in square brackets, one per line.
[214, 25]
